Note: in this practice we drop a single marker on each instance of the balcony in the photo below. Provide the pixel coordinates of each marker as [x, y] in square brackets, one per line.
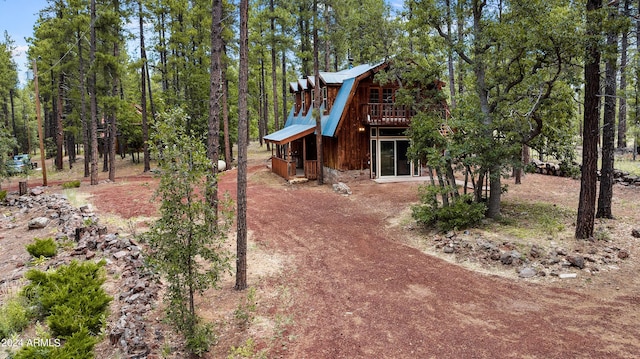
[387, 114]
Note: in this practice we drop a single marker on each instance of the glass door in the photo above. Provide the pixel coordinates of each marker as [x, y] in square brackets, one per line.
[387, 158]
[403, 165]
[393, 158]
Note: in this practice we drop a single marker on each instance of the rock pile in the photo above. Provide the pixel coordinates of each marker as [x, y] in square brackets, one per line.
[534, 260]
[137, 287]
[625, 179]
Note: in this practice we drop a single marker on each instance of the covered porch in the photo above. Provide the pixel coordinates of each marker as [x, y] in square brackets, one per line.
[294, 154]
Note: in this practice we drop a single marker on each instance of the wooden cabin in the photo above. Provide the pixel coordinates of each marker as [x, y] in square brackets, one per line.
[363, 129]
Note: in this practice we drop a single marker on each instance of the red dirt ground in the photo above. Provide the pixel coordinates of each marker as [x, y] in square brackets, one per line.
[343, 282]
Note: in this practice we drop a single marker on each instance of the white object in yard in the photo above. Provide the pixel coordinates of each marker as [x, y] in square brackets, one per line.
[567, 275]
[222, 165]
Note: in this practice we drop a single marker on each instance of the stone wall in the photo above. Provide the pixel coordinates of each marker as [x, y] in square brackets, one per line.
[136, 289]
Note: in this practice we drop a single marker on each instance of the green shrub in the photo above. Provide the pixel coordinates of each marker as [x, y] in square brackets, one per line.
[200, 339]
[70, 298]
[71, 184]
[461, 212]
[570, 169]
[77, 346]
[14, 316]
[34, 352]
[3, 195]
[43, 248]
[245, 312]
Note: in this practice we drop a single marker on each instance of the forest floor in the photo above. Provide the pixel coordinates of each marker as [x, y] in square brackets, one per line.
[339, 276]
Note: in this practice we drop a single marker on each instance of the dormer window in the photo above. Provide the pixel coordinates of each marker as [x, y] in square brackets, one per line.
[324, 98]
[313, 98]
[298, 103]
[303, 104]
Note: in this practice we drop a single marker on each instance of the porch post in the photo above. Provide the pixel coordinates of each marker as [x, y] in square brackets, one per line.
[304, 155]
[289, 159]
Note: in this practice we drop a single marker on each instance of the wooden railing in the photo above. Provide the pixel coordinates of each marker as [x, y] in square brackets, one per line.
[283, 168]
[387, 114]
[311, 169]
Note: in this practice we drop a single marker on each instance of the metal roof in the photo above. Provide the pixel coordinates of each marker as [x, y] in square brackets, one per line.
[290, 133]
[333, 77]
[339, 106]
[312, 81]
[346, 79]
[303, 84]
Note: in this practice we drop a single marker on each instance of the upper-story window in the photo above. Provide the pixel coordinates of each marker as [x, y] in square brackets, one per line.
[387, 95]
[381, 95]
[374, 95]
[324, 98]
[299, 97]
[302, 103]
[313, 98]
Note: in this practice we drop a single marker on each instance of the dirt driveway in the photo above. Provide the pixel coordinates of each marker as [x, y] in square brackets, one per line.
[346, 282]
[360, 292]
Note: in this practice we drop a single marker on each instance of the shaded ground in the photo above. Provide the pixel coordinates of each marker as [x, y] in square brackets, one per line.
[350, 277]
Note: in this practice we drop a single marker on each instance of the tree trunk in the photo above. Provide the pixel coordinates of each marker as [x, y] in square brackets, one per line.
[265, 101]
[284, 88]
[13, 119]
[86, 135]
[164, 73]
[587, 201]
[495, 188]
[143, 94]
[71, 149]
[93, 98]
[622, 112]
[452, 88]
[443, 187]
[327, 43]
[316, 106]
[225, 110]
[274, 75]
[113, 131]
[215, 94]
[59, 128]
[262, 107]
[241, 261]
[609, 129]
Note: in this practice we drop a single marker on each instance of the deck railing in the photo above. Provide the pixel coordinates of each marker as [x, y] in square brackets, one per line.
[387, 114]
[283, 168]
[311, 169]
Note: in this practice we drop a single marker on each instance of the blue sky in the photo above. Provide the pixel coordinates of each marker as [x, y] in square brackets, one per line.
[17, 17]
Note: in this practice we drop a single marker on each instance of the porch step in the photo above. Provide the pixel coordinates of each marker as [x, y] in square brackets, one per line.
[298, 180]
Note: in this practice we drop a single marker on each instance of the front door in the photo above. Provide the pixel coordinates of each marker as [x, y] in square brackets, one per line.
[393, 158]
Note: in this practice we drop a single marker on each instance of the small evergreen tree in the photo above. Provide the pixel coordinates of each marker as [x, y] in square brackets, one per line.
[186, 243]
[7, 143]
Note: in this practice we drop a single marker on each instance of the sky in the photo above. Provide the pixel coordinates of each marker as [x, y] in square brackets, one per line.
[17, 18]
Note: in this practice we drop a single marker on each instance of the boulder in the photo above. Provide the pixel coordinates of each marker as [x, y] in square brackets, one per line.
[527, 272]
[38, 222]
[341, 188]
[576, 260]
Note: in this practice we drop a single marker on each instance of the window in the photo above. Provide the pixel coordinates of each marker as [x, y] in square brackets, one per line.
[324, 98]
[303, 105]
[392, 132]
[387, 95]
[374, 98]
[374, 95]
